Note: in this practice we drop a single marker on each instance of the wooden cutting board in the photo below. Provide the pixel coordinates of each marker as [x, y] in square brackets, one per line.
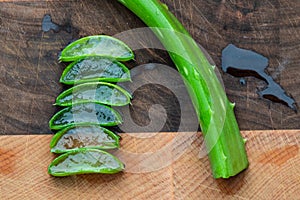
[29, 74]
[273, 172]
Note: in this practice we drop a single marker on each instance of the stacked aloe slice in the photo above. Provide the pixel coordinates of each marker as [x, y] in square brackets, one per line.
[82, 124]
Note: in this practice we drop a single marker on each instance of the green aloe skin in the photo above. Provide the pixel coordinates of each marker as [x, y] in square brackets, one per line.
[224, 143]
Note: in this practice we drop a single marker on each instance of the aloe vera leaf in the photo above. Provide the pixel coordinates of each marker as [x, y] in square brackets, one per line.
[224, 143]
[85, 161]
[95, 92]
[85, 114]
[93, 69]
[74, 137]
[96, 45]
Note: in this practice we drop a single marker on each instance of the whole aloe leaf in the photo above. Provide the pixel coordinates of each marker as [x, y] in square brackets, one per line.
[224, 143]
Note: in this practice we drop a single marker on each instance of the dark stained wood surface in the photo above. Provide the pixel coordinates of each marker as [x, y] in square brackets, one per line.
[29, 71]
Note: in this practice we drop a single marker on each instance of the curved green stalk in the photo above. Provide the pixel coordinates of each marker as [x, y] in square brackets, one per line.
[224, 144]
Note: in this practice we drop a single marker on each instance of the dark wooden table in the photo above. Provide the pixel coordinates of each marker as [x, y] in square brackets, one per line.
[29, 71]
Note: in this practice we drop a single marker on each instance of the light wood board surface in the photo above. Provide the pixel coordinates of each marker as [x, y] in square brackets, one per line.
[273, 172]
[30, 72]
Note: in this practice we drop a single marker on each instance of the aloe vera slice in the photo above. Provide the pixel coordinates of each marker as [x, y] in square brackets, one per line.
[85, 114]
[95, 69]
[97, 45]
[98, 92]
[85, 161]
[75, 137]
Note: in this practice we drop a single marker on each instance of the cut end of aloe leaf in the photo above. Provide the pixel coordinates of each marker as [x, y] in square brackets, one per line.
[75, 137]
[98, 45]
[85, 161]
[227, 175]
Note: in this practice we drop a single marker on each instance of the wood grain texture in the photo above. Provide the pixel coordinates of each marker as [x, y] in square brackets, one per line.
[29, 74]
[29, 71]
[273, 172]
